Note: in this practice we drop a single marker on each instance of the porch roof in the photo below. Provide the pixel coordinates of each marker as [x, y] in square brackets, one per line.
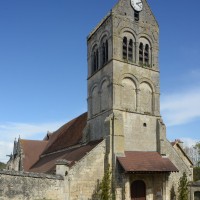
[146, 162]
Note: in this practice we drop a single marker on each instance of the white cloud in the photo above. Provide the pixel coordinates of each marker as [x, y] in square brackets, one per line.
[189, 142]
[9, 131]
[181, 108]
[5, 149]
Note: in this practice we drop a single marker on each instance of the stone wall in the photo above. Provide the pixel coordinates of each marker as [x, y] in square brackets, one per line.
[78, 182]
[182, 164]
[30, 186]
[83, 178]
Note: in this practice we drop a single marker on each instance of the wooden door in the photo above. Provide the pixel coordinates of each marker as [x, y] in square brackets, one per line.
[138, 190]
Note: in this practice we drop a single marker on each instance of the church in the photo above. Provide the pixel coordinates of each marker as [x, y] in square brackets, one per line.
[122, 131]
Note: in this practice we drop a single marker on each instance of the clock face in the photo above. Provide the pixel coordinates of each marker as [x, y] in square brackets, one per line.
[137, 5]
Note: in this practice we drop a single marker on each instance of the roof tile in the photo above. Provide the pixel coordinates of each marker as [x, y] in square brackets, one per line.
[47, 164]
[138, 161]
[32, 150]
[68, 135]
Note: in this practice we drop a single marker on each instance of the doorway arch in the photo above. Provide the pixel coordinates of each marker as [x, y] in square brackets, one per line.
[138, 190]
[197, 195]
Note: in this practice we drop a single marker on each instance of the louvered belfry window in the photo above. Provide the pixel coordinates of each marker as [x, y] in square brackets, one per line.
[95, 60]
[125, 48]
[104, 52]
[141, 47]
[146, 55]
[130, 50]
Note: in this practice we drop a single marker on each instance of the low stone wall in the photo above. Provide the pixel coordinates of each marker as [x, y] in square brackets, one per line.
[30, 186]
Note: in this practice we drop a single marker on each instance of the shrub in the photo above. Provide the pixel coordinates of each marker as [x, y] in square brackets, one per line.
[183, 187]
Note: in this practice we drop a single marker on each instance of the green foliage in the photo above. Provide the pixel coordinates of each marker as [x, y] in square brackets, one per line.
[196, 173]
[183, 188]
[96, 192]
[105, 186]
[172, 193]
[2, 165]
[197, 146]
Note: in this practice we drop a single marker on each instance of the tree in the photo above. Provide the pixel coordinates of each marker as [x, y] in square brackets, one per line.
[105, 186]
[2, 165]
[172, 193]
[197, 147]
[193, 153]
[196, 173]
[183, 187]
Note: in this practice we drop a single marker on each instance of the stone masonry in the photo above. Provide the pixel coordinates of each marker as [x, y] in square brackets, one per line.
[30, 186]
[123, 121]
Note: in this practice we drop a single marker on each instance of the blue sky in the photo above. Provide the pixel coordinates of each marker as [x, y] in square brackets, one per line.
[43, 65]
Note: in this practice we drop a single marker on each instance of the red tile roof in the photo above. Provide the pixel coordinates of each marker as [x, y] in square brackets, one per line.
[145, 162]
[68, 135]
[32, 150]
[47, 164]
[40, 156]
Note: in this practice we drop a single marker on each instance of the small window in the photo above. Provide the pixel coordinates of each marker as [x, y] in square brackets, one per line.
[130, 50]
[136, 15]
[141, 54]
[125, 48]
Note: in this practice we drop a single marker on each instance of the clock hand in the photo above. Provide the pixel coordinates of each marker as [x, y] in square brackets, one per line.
[139, 4]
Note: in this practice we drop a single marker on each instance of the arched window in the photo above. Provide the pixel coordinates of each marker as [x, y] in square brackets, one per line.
[130, 50]
[141, 53]
[125, 48]
[197, 195]
[145, 52]
[95, 60]
[104, 51]
[146, 55]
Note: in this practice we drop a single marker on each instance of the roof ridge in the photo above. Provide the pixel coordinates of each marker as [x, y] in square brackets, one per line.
[33, 140]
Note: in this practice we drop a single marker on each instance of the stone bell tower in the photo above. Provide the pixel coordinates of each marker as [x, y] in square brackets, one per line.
[123, 78]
